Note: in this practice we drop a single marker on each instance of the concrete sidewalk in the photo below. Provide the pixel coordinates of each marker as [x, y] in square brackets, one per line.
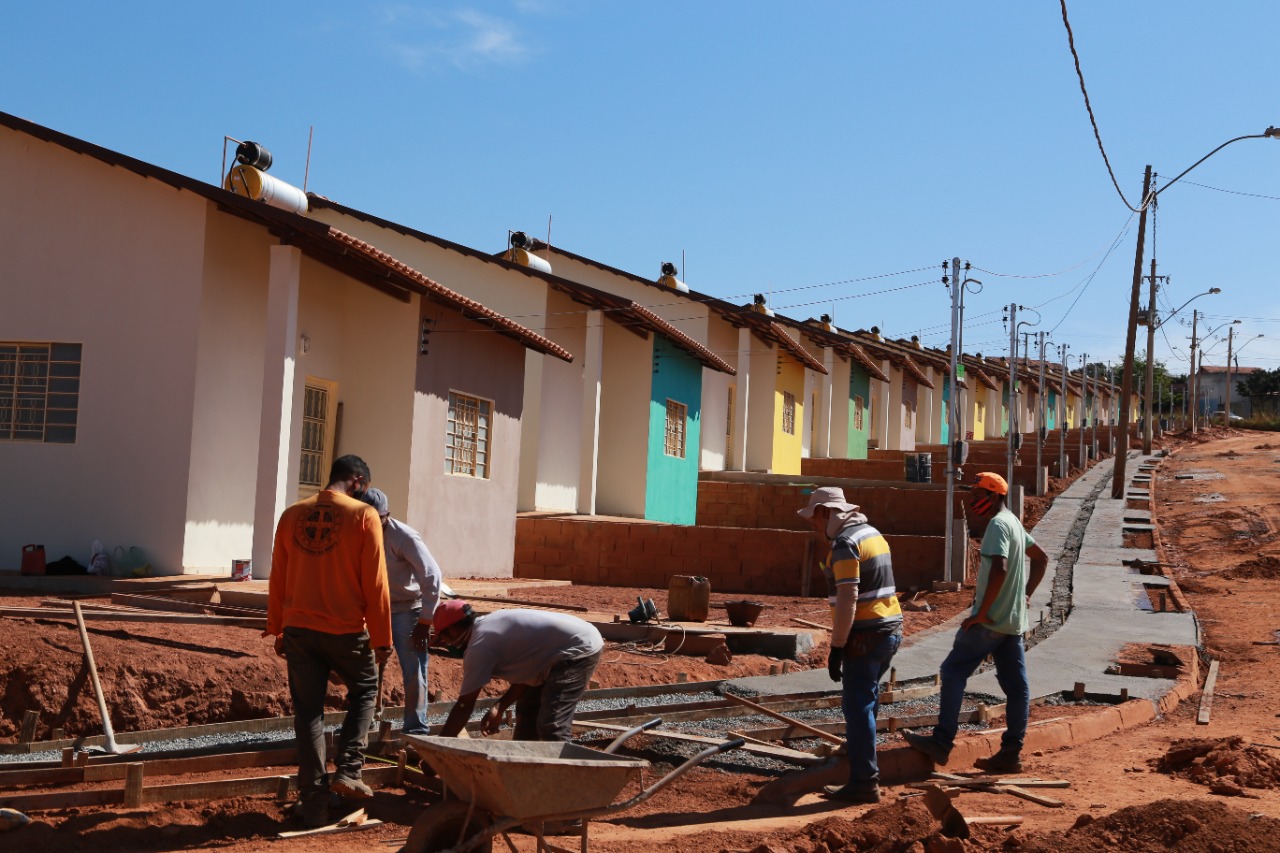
[1110, 606]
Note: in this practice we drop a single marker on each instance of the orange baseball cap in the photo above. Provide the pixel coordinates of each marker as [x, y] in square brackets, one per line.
[992, 483]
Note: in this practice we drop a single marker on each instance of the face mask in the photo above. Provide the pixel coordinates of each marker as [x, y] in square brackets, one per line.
[981, 504]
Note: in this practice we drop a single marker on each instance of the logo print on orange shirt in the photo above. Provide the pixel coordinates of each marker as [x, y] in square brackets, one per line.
[316, 532]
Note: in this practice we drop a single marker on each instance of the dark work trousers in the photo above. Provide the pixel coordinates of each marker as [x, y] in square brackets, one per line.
[545, 711]
[311, 656]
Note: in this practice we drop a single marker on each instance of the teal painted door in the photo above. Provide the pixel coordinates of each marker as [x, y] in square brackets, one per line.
[671, 483]
[859, 412]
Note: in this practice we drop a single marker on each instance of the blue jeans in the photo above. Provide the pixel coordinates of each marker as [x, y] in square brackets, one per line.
[860, 701]
[413, 667]
[971, 647]
[310, 656]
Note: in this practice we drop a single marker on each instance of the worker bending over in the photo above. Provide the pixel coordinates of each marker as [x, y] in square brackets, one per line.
[547, 658]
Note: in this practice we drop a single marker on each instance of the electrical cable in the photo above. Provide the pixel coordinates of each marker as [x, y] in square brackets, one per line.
[1071, 43]
[1232, 192]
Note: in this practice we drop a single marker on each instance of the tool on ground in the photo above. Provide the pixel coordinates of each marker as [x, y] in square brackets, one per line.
[111, 747]
[827, 736]
[644, 611]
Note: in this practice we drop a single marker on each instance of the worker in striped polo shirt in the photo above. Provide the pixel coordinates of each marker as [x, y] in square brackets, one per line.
[866, 629]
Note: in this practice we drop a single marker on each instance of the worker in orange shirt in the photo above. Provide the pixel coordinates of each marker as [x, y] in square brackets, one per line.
[330, 611]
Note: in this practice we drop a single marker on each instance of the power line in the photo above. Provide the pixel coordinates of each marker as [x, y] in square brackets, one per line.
[1071, 43]
[1232, 192]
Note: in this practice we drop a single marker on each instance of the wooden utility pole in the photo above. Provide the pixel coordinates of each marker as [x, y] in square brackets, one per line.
[1119, 484]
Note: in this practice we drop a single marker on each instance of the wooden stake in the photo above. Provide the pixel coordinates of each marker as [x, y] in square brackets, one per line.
[1206, 698]
[284, 785]
[30, 720]
[133, 785]
[809, 624]
[1078, 691]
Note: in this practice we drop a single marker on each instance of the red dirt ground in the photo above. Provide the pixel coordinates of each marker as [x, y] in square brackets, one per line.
[1223, 556]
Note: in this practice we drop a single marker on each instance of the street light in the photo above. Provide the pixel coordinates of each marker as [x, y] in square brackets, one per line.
[1119, 484]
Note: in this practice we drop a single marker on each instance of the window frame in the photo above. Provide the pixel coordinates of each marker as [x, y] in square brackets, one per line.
[788, 413]
[40, 383]
[676, 433]
[481, 463]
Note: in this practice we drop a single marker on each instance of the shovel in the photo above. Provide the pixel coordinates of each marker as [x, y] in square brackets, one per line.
[111, 747]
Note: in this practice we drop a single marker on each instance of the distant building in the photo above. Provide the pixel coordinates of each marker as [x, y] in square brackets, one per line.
[1211, 385]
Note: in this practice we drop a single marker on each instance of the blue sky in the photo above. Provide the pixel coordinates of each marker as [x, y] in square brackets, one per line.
[796, 150]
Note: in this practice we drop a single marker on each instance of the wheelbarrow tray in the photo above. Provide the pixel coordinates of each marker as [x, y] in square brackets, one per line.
[527, 779]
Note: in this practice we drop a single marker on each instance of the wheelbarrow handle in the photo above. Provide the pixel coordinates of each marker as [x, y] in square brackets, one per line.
[630, 733]
[713, 750]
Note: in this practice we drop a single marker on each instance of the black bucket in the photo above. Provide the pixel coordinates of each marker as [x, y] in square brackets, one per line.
[924, 467]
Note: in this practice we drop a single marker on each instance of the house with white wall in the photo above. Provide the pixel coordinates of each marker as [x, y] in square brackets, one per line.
[191, 361]
[616, 433]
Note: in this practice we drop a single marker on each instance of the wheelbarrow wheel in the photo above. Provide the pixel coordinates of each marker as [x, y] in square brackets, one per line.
[440, 828]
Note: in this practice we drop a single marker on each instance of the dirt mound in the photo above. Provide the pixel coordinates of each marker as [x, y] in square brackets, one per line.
[1262, 566]
[893, 828]
[1266, 447]
[1227, 765]
[1184, 825]
[1229, 454]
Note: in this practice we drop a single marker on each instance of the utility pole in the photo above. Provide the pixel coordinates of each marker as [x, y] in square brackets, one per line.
[1226, 409]
[1041, 431]
[1093, 415]
[954, 439]
[1119, 485]
[1152, 322]
[1084, 391]
[1192, 381]
[1013, 392]
[1063, 467]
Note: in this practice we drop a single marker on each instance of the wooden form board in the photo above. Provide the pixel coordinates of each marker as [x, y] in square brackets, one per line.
[211, 790]
[124, 616]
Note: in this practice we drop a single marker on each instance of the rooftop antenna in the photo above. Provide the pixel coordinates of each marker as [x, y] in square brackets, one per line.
[307, 172]
[225, 140]
[548, 230]
[684, 275]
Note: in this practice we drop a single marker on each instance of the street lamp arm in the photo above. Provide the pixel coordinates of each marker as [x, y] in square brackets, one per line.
[1269, 133]
[1173, 313]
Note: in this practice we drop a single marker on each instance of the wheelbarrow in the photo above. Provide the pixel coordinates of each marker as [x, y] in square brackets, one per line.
[504, 785]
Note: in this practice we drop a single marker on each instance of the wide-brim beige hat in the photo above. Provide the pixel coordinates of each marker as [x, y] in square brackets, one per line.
[831, 496]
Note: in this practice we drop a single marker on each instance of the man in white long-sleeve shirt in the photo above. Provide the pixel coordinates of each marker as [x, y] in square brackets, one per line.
[415, 579]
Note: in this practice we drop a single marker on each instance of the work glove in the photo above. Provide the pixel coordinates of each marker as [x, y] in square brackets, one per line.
[421, 635]
[834, 659]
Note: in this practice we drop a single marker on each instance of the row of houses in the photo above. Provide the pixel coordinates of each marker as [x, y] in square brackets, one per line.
[179, 362]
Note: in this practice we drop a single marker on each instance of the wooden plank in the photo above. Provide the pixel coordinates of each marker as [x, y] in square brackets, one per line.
[62, 800]
[827, 736]
[178, 605]
[1024, 794]
[809, 624]
[522, 603]
[42, 776]
[769, 750]
[122, 616]
[995, 820]
[1206, 698]
[197, 764]
[353, 822]
[222, 789]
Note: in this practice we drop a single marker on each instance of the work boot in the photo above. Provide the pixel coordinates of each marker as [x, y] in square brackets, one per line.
[350, 788]
[937, 753]
[853, 793]
[1001, 762]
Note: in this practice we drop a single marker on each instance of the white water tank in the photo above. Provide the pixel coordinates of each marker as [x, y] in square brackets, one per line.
[259, 186]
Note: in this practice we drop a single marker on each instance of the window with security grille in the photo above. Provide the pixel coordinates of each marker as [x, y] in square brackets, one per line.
[466, 446]
[315, 412]
[859, 405]
[39, 391]
[981, 414]
[676, 413]
[788, 413]
[908, 415]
